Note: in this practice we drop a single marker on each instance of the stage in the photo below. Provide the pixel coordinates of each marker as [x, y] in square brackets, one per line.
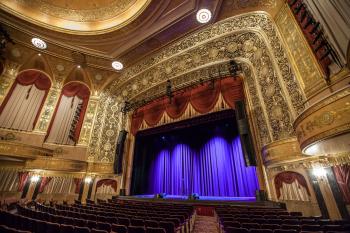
[203, 201]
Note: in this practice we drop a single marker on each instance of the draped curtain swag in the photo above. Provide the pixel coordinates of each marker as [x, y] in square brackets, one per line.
[22, 179]
[73, 89]
[289, 177]
[36, 85]
[202, 98]
[342, 175]
[107, 182]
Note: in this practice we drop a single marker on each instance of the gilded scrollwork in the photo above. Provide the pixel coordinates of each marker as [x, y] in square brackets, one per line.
[252, 37]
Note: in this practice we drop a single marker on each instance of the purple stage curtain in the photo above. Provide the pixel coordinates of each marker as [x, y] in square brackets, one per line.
[217, 169]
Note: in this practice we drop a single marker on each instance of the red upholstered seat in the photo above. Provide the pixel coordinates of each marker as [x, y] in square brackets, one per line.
[98, 231]
[151, 223]
[236, 230]
[260, 231]
[136, 229]
[104, 226]
[285, 231]
[66, 228]
[119, 228]
[81, 230]
[155, 230]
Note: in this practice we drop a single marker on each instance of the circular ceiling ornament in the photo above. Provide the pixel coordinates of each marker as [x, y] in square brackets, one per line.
[203, 16]
[117, 65]
[39, 43]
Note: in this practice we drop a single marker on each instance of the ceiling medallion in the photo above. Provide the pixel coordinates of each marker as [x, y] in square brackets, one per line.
[39, 43]
[117, 65]
[203, 16]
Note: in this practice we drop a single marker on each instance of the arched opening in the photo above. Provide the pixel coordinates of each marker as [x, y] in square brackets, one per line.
[22, 105]
[69, 114]
[291, 186]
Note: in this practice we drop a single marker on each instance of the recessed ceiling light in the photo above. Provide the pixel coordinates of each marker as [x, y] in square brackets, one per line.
[203, 16]
[39, 43]
[117, 65]
[78, 66]
[39, 54]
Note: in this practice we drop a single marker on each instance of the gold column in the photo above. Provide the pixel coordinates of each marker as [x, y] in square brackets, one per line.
[7, 78]
[48, 109]
[89, 120]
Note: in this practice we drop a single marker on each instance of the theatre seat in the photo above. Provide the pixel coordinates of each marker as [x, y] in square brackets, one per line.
[135, 229]
[52, 227]
[81, 230]
[119, 228]
[104, 226]
[151, 223]
[236, 230]
[66, 228]
[260, 231]
[98, 231]
[155, 230]
[285, 231]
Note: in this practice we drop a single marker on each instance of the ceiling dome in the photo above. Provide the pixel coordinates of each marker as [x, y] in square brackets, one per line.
[77, 16]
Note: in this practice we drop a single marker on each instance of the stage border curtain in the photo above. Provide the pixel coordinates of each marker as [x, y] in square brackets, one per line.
[73, 89]
[44, 182]
[30, 77]
[202, 99]
[342, 176]
[289, 177]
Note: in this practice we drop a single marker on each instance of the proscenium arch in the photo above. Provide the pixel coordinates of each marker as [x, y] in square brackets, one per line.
[278, 70]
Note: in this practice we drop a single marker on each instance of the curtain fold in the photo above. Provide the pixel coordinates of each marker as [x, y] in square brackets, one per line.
[22, 179]
[201, 99]
[217, 169]
[73, 95]
[77, 182]
[21, 107]
[44, 182]
[342, 176]
[289, 177]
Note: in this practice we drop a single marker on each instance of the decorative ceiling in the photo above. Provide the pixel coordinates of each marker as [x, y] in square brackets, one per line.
[151, 25]
[75, 16]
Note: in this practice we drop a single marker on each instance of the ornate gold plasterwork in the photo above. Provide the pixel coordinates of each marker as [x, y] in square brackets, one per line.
[285, 150]
[7, 78]
[100, 168]
[241, 4]
[325, 119]
[19, 150]
[56, 164]
[249, 38]
[48, 108]
[77, 17]
[303, 60]
[90, 113]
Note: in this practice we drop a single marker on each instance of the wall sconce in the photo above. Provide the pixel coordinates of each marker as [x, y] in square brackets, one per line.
[34, 178]
[88, 179]
[319, 172]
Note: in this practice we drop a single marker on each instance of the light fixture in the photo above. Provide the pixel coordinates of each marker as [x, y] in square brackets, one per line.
[39, 43]
[79, 66]
[39, 54]
[34, 178]
[117, 65]
[88, 179]
[319, 171]
[203, 16]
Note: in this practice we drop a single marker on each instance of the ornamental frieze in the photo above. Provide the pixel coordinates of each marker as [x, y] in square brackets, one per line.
[251, 39]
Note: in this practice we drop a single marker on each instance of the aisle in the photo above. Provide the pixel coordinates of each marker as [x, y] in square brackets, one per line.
[205, 224]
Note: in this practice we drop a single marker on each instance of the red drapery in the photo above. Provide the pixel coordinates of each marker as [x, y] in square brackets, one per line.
[30, 77]
[288, 178]
[203, 99]
[44, 182]
[77, 182]
[73, 89]
[342, 175]
[107, 182]
[22, 179]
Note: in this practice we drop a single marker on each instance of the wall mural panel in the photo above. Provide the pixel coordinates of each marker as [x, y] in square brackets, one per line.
[252, 39]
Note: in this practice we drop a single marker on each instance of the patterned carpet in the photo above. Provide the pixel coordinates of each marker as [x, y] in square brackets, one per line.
[205, 224]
